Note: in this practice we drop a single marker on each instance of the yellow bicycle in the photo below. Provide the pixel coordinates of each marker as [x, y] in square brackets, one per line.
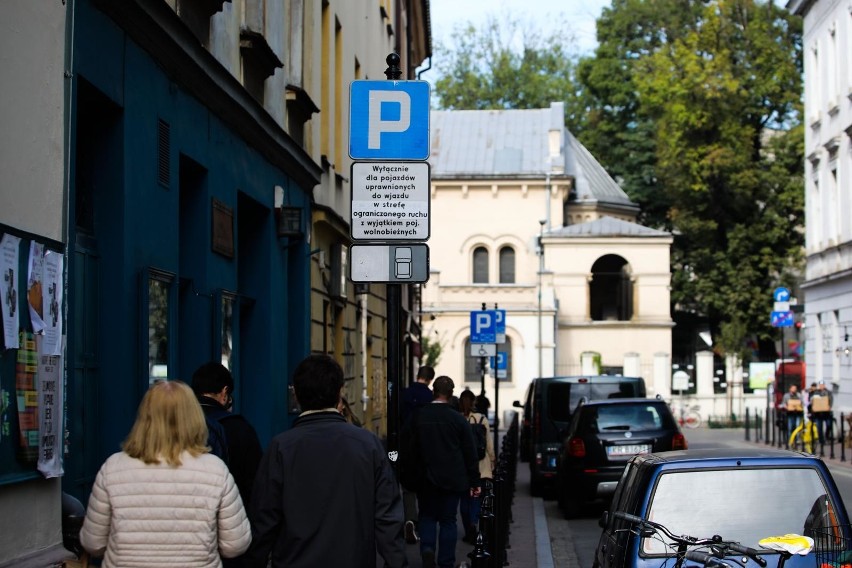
[804, 436]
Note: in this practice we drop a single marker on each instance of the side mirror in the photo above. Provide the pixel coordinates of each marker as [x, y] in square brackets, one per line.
[517, 404]
[604, 520]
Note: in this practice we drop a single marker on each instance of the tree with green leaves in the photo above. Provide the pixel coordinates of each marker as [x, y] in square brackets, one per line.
[504, 66]
[722, 98]
[693, 106]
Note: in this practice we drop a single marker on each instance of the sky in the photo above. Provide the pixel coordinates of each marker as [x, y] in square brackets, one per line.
[579, 14]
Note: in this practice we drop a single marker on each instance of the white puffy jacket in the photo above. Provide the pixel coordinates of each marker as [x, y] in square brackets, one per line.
[157, 515]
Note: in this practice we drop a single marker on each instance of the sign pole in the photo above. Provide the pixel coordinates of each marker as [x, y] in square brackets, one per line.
[394, 298]
[482, 362]
[496, 391]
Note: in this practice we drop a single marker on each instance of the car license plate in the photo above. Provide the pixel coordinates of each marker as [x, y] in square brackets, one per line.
[627, 450]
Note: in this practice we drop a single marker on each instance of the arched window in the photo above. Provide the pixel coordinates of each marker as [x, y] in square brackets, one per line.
[611, 291]
[480, 265]
[507, 265]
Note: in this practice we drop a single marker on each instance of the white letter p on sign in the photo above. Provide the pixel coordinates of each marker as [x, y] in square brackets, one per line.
[375, 124]
[483, 321]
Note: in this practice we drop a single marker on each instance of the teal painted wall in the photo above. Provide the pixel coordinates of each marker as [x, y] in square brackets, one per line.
[132, 223]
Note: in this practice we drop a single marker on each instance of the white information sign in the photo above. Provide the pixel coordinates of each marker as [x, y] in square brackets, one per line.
[390, 201]
[483, 350]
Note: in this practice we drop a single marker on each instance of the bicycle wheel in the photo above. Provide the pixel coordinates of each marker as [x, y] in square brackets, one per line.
[692, 420]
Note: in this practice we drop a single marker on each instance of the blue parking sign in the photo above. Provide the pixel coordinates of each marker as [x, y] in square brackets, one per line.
[389, 120]
[483, 326]
[502, 359]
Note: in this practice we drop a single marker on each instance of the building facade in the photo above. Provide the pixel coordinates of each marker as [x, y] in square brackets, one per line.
[526, 220]
[827, 43]
[33, 154]
[187, 158]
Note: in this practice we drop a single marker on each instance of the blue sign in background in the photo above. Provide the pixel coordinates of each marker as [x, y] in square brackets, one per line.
[781, 319]
[389, 120]
[502, 359]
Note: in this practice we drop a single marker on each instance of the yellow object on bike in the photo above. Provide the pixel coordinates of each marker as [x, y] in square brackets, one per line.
[792, 543]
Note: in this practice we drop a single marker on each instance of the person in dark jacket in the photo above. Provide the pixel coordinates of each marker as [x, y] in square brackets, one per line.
[213, 385]
[450, 466]
[413, 398]
[325, 493]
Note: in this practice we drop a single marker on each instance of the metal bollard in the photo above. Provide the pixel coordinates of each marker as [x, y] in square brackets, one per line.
[479, 557]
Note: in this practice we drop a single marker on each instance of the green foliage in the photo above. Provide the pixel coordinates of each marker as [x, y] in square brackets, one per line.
[431, 351]
[693, 106]
[502, 66]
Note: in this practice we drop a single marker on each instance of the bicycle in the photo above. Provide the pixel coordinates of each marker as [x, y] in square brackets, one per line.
[804, 436]
[688, 417]
[712, 552]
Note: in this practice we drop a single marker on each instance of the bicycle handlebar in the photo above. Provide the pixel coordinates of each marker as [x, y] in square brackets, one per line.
[705, 559]
[683, 541]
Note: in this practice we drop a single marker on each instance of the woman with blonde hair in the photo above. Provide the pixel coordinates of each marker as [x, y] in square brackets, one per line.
[165, 500]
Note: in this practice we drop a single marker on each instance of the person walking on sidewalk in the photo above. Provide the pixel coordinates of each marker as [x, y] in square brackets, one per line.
[470, 505]
[414, 397]
[165, 500]
[821, 403]
[443, 442]
[214, 386]
[325, 493]
[794, 404]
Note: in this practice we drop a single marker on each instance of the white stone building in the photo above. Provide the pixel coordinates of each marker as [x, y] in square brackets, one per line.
[504, 181]
[827, 46]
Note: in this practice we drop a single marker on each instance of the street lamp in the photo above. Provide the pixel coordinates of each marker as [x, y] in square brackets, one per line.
[540, 271]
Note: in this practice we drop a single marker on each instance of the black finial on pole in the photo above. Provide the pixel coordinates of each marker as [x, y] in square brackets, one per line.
[393, 72]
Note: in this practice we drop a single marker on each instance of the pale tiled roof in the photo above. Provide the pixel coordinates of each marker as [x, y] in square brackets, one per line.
[476, 144]
[606, 227]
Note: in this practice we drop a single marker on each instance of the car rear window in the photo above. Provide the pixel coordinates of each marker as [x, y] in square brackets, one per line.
[743, 505]
[563, 398]
[632, 417]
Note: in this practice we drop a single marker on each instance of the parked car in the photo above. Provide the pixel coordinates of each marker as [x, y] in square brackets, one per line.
[548, 405]
[740, 495]
[602, 437]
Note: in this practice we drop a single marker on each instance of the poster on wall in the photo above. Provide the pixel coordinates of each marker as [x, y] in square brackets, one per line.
[760, 375]
[52, 302]
[34, 292]
[50, 405]
[9, 289]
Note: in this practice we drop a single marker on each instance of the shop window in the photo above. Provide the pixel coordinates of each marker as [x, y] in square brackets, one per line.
[158, 308]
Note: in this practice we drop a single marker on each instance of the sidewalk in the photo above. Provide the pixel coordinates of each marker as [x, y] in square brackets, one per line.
[529, 538]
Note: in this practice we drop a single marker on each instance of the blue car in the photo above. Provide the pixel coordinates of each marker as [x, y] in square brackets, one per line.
[742, 496]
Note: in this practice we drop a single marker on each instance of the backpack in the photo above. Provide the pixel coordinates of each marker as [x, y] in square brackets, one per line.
[216, 438]
[480, 435]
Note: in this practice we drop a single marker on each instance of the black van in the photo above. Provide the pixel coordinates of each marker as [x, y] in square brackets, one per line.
[549, 403]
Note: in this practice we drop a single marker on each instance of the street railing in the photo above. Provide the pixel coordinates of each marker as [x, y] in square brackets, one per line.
[770, 426]
[492, 537]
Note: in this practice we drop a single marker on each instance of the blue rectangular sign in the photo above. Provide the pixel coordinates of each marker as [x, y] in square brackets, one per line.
[389, 120]
[781, 319]
[483, 326]
[502, 359]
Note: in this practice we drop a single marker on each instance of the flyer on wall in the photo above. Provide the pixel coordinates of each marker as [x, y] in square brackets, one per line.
[9, 247]
[52, 301]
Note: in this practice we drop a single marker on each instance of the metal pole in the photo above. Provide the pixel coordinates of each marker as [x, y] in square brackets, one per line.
[482, 362]
[394, 301]
[496, 391]
[540, 271]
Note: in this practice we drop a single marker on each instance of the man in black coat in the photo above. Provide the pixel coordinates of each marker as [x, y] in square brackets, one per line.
[447, 456]
[213, 385]
[414, 397]
[325, 493]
